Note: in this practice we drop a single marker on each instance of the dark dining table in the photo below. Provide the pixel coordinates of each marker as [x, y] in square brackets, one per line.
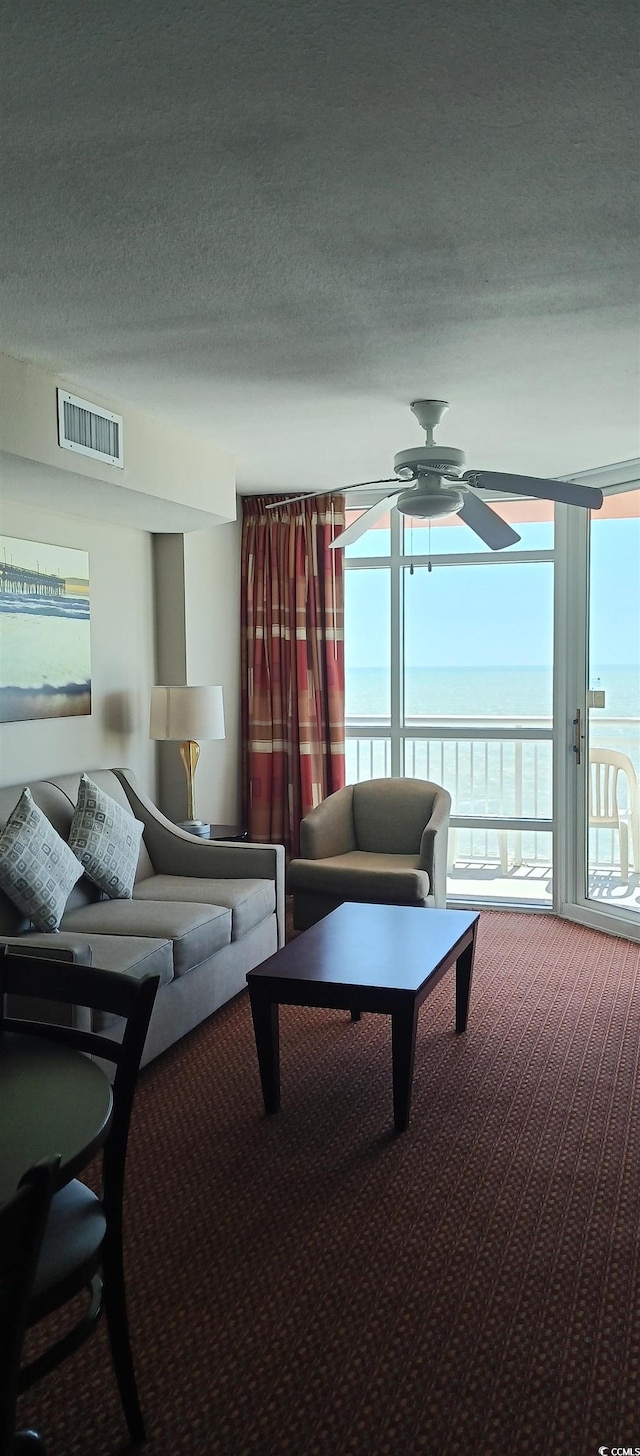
[53, 1101]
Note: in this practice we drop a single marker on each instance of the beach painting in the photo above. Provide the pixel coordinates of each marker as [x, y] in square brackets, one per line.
[45, 645]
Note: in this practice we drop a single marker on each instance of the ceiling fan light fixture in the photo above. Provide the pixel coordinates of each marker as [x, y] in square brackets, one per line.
[427, 505]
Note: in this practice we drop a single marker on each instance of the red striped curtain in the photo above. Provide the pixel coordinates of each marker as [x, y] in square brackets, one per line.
[292, 663]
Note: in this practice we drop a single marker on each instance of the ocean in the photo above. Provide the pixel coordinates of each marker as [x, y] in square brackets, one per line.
[45, 656]
[480, 692]
[506, 777]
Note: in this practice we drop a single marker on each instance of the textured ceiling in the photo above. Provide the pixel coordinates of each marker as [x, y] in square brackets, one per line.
[278, 223]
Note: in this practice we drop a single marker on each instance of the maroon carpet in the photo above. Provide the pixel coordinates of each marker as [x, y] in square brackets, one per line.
[311, 1285]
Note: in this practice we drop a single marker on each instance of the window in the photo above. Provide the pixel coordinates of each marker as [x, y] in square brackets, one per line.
[449, 675]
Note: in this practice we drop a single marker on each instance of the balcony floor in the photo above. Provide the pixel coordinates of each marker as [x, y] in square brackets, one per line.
[533, 885]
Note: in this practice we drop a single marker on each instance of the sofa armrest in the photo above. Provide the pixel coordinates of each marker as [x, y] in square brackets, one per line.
[433, 847]
[328, 829]
[174, 851]
[30, 1008]
[75, 955]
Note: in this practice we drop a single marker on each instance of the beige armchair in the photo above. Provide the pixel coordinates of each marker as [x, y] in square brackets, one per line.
[383, 842]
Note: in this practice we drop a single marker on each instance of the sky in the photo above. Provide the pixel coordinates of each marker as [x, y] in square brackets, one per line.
[499, 616]
[37, 556]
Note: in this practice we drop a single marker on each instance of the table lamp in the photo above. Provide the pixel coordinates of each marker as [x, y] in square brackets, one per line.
[184, 715]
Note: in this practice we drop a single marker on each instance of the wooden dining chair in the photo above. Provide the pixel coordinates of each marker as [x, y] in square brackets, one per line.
[22, 1225]
[82, 1245]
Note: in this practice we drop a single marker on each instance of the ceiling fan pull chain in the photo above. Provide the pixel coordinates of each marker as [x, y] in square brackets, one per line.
[429, 566]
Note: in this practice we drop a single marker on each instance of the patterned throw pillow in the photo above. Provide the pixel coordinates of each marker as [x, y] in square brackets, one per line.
[106, 839]
[37, 869]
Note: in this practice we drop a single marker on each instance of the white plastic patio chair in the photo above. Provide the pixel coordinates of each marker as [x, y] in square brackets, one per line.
[605, 809]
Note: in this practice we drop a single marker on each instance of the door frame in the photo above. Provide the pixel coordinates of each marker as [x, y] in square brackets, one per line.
[571, 666]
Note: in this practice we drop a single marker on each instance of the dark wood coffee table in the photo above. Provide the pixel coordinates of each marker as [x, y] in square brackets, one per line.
[384, 958]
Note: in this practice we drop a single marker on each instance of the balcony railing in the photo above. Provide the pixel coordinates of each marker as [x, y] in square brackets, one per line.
[499, 774]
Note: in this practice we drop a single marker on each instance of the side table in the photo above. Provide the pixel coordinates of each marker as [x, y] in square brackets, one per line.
[227, 831]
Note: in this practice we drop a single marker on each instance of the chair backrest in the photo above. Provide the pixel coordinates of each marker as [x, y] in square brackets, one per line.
[389, 815]
[22, 1224]
[26, 973]
[605, 767]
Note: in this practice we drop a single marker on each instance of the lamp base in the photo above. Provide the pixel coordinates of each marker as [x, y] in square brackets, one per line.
[196, 826]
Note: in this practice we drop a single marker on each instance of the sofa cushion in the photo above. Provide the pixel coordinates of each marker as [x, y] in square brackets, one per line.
[57, 800]
[105, 779]
[106, 839]
[376, 878]
[37, 869]
[250, 901]
[196, 931]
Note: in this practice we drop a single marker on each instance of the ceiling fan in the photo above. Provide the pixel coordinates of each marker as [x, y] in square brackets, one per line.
[434, 483]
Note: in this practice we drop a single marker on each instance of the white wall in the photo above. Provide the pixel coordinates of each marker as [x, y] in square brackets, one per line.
[212, 613]
[197, 595]
[162, 464]
[122, 656]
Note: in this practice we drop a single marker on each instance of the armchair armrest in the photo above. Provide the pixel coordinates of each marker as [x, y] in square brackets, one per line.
[329, 828]
[173, 851]
[433, 846]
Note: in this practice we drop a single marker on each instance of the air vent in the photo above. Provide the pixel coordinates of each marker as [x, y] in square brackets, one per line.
[89, 430]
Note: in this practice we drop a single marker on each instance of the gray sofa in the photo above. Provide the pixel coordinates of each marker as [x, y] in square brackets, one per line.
[203, 913]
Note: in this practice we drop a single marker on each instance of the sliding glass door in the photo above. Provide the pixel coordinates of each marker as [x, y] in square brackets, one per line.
[598, 713]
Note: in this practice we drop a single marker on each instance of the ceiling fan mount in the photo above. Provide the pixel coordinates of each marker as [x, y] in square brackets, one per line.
[429, 412]
[429, 458]
[426, 473]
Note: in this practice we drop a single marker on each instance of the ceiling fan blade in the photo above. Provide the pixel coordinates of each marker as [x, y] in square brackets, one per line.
[387, 480]
[288, 500]
[375, 513]
[490, 527]
[566, 491]
[329, 490]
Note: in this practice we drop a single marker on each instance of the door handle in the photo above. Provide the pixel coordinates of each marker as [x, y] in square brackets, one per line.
[578, 735]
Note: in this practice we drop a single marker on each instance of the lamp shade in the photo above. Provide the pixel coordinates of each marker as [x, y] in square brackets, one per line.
[186, 713]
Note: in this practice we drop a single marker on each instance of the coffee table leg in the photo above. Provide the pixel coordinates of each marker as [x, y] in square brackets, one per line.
[403, 1047]
[267, 1034]
[464, 972]
[355, 1015]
